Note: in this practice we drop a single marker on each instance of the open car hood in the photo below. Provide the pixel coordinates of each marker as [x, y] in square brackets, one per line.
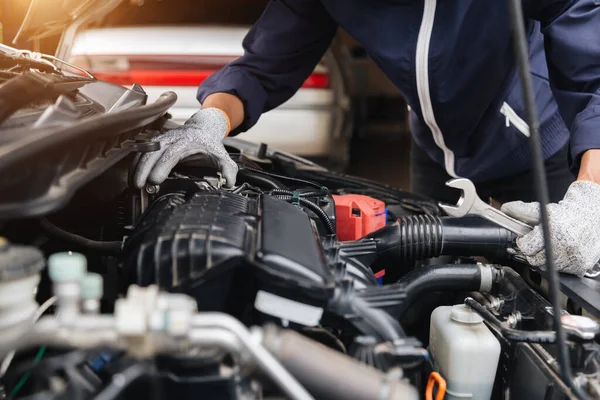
[61, 17]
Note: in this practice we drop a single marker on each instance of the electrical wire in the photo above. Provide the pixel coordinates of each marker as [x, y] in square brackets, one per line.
[514, 335]
[37, 315]
[259, 179]
[520, 47]
[25, 377]
[281, 177]
[313, 207]
[290, 193]
[245, 187]
[10, 356]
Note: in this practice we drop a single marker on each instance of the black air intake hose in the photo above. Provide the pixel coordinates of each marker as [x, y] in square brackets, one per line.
[396, 298]
[418, 237]
[452, 277]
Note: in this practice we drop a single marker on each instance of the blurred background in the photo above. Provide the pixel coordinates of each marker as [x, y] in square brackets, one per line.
[347, 115]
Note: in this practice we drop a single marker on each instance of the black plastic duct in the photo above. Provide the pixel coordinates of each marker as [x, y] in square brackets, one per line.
[419, 237]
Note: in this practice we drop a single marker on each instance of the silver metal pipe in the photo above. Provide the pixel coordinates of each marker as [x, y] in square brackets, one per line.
[85, 332]
[261, 356]
[218, 337]
[217, 329]
[83, 322]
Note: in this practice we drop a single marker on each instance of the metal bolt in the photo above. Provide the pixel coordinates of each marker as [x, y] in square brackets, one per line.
[513, 319]
[152, 189]
[495, 303]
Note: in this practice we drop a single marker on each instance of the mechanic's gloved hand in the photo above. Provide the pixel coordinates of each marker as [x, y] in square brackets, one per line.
[574, 229]
[202, 134]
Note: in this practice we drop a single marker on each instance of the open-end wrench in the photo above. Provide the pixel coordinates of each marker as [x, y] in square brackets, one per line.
[469, 203]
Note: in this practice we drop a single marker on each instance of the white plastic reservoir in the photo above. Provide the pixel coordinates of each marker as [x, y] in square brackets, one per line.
[465, 352]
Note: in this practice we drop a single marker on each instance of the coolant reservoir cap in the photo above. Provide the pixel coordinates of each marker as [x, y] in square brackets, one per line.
[463, 314]
[18, 262]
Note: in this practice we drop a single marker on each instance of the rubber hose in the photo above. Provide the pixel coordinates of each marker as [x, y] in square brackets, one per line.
[418, 237]
[453, 277]
[398, 297]
[379, 320]
[514, 335]
[112, 247]
[328, 374]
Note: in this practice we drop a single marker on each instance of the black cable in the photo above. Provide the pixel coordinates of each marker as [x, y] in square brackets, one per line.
[314, 208]
[291, 193]
[246, 187]
[113, 247]
[522, 56]
[282, 177]
[258, 179]
[514, 335]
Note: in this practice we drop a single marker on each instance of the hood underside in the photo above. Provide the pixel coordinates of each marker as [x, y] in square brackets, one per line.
[52, 17]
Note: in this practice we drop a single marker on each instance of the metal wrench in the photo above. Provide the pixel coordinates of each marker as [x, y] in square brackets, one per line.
[469, 203]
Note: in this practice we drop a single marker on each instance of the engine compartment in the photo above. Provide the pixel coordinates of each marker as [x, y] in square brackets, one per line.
[299, 282]
[248, 293]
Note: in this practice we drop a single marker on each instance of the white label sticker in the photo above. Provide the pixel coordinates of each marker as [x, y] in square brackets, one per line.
[287, 309]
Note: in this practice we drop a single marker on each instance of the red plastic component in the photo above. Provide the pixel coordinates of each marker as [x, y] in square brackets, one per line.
[357, 215]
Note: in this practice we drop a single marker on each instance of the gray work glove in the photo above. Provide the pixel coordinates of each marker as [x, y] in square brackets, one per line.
[574, 229]
[202, 134]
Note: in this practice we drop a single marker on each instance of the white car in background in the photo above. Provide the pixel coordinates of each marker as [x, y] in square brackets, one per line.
[314, 123]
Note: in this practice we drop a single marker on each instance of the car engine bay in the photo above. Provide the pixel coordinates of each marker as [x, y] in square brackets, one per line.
[298, 282]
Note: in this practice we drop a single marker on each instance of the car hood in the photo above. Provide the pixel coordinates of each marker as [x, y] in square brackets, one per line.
[53, 17]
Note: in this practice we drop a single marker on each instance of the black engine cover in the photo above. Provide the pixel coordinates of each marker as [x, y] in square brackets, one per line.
[222, 248]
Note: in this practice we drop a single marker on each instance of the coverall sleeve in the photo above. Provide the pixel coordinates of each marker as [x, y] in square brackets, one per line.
[280, 51]
[572, 43]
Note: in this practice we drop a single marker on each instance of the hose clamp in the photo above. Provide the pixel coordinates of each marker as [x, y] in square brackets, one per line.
[487, 277]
